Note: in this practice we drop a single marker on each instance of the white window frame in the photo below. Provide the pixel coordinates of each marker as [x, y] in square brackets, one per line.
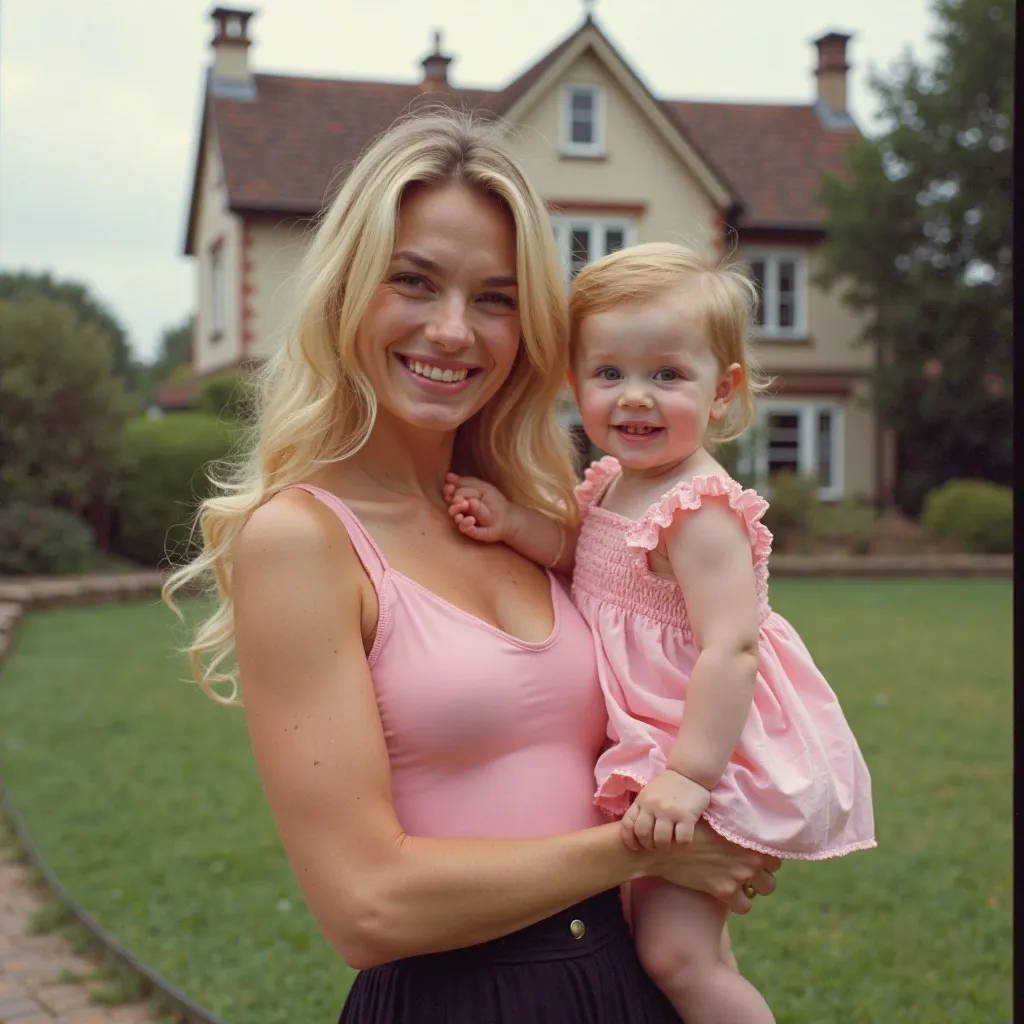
[565, 224]
[595, 148]
[807, 455]
[218, 292]
[770, 329]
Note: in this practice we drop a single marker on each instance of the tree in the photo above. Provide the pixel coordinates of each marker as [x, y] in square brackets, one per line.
[61, 407]
[174, 352]
[87, 308]
[919, 233]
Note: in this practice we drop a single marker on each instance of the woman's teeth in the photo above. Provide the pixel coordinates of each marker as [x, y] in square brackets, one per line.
[435, 372]
[637, 429]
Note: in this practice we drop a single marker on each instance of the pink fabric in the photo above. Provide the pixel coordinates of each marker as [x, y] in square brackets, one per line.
[487, 735]
[797, 785]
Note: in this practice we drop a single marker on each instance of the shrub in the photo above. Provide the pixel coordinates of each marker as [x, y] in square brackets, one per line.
[849, 524]
[37, 541]
[61, 408]
[794, 511]
[225, 394]
[163, 476]
[974, 515]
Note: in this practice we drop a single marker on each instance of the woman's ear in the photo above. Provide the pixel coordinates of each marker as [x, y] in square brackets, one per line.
[571, 378]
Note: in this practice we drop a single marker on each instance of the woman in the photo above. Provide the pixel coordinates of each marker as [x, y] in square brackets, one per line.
[425, 711]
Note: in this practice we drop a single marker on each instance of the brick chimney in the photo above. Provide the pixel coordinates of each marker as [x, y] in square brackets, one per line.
[831, 71]
[231, 74]
[435, 67]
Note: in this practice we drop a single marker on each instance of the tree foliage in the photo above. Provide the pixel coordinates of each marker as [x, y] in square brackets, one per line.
[173, 353]
[61, 407]
[919, 233]
[87, 308]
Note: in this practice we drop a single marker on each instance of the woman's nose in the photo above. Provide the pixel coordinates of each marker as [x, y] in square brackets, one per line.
[449, 327]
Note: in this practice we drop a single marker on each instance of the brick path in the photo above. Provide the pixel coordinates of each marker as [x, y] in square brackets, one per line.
[34, 969]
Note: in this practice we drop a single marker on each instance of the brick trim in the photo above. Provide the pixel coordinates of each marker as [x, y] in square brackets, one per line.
[246, 290]
[611, 207]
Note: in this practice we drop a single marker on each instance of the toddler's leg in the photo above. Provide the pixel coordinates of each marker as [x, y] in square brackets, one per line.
[679, 941]
[725, 952]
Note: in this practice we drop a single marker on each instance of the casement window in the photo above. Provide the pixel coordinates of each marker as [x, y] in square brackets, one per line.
[796, 436]
[218, 291]
[781, 279]
[583, 239]
[583, 120]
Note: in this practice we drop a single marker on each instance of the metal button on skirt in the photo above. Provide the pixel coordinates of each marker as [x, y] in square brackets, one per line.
[576, 967]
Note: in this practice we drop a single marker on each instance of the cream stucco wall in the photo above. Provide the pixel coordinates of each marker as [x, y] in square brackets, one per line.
[214, 223]
[274, 249]
[639, 165]
[859, 455]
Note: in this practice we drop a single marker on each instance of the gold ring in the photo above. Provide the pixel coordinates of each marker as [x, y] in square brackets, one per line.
[748, 890]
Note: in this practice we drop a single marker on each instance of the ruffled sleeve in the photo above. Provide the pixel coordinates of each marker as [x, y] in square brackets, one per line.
[596, 479]
[688, 497]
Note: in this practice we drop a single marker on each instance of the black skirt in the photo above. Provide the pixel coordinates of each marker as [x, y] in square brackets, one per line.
[543, 974]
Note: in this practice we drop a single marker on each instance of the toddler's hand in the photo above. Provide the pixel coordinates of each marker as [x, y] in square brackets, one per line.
[665, 811]
[477, 508]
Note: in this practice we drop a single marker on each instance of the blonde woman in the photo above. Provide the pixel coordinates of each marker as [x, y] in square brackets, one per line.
[425, 711]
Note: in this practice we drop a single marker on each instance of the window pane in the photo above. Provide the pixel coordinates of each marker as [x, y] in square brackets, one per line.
[787, 293]
[783, 437]
[217, 296]
[614, 239]
[825, 442]
[757, 273]
[582, 102]
[582, 116]
[579, 249]
[582, 130]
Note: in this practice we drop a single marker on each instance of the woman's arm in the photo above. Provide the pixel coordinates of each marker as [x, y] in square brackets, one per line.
[710, 556]
[376, 893]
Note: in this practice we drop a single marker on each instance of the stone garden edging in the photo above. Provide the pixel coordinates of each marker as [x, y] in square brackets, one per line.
[18, 597]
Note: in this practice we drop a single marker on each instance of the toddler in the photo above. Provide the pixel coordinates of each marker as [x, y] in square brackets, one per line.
[716, 709]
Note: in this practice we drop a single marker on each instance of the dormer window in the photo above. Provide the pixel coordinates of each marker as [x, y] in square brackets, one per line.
[583, 120]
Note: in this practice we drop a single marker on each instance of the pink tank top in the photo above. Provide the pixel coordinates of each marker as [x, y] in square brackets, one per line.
[487, 735]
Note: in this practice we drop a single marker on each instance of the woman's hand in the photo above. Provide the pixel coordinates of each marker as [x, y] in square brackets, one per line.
[478, 508]
[712, 864]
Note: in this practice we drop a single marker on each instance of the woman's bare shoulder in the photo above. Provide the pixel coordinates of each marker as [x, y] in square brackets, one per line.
[293, 528]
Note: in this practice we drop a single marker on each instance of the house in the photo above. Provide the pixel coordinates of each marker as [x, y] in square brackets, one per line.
[616, 164]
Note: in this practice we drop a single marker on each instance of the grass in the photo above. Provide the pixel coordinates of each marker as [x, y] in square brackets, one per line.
[144, 799]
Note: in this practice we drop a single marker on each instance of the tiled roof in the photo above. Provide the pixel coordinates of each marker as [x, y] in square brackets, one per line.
[284, 149]
[772, 156]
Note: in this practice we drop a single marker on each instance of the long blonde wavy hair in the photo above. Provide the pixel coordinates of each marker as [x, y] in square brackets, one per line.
[313, 402]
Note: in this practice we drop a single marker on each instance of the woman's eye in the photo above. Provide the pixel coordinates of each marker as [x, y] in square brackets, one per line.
[499, 299]
[666, 373]
[607, 373]
[409, 280]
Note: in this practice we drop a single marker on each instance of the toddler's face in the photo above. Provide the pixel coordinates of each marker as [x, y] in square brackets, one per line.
[648, 383]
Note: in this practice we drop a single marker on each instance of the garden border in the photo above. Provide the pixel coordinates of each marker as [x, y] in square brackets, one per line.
[15, 599]
[18, 597]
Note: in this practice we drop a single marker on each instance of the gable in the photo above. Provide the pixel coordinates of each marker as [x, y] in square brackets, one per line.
[588, 52]
[640, 176]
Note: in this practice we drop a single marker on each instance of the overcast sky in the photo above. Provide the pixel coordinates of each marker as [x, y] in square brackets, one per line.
[100, 101]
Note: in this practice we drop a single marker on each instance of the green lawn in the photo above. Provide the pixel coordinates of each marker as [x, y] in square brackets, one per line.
[143, 797]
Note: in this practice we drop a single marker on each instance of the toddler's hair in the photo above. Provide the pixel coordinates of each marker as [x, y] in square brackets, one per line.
[653, 270]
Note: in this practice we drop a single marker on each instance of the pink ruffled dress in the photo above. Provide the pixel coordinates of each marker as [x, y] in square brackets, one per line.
[796, 785]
